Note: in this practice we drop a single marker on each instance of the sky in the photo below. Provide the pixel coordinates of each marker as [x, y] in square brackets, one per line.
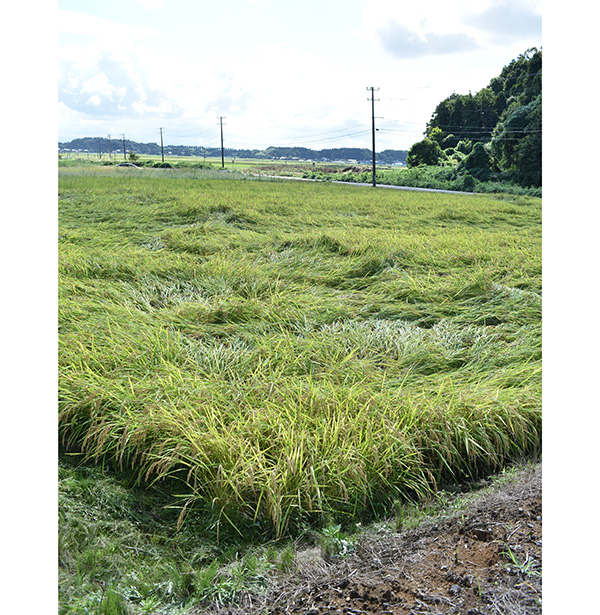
[279, 72]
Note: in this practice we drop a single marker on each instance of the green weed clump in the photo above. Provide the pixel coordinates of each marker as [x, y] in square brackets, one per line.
[292, 354]
[119, 551]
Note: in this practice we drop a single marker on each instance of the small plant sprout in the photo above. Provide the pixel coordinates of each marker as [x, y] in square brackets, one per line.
[527, 567]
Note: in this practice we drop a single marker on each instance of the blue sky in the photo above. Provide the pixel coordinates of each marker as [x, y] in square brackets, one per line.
[281, 72]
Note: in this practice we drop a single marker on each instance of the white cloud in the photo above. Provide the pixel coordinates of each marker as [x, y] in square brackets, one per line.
[402, 42]
[433, 27]
[99, 84]
[508, 20]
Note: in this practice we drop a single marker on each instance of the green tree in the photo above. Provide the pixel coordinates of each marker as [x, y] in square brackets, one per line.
[426, 152]
[488, 115]
[436, 134]
[464, 147]
[474, 116]
[478, 163]
[517, 143]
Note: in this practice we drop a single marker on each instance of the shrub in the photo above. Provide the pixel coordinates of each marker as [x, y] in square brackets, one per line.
[464, 147]
[478, 163]
[427, 152]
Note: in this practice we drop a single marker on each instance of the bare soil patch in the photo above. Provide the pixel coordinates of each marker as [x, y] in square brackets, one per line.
[482, 559]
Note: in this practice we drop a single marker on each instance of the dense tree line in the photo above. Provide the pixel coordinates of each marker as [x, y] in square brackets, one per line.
[497, 130]
[96, 145]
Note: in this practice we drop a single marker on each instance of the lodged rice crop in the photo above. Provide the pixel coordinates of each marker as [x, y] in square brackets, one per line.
[284, 353]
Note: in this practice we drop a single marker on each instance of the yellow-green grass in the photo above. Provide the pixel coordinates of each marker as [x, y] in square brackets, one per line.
[296, 352]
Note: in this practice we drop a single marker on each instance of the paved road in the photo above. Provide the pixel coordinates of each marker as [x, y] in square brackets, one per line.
[306, 179]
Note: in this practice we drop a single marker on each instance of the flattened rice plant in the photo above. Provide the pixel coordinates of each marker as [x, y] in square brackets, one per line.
[295, 353]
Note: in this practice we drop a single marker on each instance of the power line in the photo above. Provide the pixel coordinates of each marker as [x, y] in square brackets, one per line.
[302, 143]
[192, 132]
[329, 132]
[304, 138]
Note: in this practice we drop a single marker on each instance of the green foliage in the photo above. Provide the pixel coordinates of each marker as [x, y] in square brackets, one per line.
[276, 356]
[334, 543]
[437, 134]
[425, 152]
[517, 143]
[478, 163]
[464, 147]
[438, 177]
[527, 567]
[120, 552]
[508, 113]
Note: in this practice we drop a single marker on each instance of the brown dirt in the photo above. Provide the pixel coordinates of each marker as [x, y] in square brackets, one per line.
[457, 564]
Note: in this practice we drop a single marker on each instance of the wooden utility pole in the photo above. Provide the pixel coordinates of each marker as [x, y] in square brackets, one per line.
[162, 149]
[372, 99]
[222, 150]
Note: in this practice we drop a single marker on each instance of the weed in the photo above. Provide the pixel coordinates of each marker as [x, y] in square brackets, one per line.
[527, 567]
[333, 542]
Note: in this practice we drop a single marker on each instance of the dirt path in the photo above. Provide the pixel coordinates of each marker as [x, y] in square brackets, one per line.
[484, 559]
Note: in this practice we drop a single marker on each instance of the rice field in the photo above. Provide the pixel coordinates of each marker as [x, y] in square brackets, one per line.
[283, 353]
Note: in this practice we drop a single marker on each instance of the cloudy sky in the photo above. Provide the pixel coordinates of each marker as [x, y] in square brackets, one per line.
[280, 72]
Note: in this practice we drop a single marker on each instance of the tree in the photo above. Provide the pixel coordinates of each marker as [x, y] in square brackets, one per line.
[478, 163]
[464, 147]
[426, 152]
[474, 116]
[436, 134]
[488, 114]
[517, 143]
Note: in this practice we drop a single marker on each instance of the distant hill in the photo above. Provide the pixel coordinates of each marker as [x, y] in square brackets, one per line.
[95, 145]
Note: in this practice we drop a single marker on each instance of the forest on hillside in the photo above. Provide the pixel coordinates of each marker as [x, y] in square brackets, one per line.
[494, 133]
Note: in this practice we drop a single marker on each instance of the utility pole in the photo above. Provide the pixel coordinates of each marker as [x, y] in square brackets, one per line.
[372, 99]
[222, 151]
[124, 149]
[162, 149]
[100, 148]
[109, 147]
